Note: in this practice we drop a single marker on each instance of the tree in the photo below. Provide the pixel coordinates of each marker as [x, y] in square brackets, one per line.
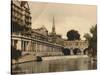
[73, 35]
[92, 40]
[15, 54]
[87, 36]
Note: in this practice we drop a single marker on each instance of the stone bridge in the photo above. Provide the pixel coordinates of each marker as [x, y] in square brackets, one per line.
[76, 47]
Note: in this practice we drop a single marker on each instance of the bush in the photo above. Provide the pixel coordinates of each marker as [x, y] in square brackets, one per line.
[15, 54]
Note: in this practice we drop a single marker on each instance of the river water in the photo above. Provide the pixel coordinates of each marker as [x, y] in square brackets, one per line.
[54, 66]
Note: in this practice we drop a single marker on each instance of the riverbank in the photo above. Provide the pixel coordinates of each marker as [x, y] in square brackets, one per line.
[64, 57]
[24, 59]
[29, 58]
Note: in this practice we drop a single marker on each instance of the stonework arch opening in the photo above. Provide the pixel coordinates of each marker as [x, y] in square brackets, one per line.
[66, 51]
[76, 51]
[85, 51]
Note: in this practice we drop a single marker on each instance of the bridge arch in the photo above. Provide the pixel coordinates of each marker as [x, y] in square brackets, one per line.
[76, 51]
[85, 51]
[66, 51]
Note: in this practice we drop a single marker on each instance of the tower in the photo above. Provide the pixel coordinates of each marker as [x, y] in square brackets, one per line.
[53, 26]
[53, 33]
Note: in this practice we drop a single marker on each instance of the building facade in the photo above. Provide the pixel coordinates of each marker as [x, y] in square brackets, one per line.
[79, 45]
[20, 16]
[26, 39]
[37, 42]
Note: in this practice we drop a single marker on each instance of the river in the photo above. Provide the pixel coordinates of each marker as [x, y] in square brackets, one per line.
[54, 66]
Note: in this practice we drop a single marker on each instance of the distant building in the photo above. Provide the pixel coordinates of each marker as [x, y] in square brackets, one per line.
[40, 33]
[42, 30]
[78, 45]
[54, 37]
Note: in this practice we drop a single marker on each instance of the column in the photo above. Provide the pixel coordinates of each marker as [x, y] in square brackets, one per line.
[36, 47]
[26, 45]
[71, 52]
[15, 43]
[12, 42]
[18, 44]
[82, 51]
[22, 45]
[50, 50]
[45, 48]
[40, 48]
[33, 47]
[30, 45]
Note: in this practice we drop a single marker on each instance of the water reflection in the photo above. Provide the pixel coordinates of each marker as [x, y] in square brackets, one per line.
[54, 66]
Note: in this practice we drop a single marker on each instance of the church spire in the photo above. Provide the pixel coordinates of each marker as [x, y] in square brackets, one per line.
[53, 26]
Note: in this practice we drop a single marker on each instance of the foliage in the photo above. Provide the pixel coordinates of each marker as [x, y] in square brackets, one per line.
[73, 35]
[87, 36]
[15, 54]
[92, 40]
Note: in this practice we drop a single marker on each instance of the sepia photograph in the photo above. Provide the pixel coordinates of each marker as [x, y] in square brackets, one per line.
[52, 37]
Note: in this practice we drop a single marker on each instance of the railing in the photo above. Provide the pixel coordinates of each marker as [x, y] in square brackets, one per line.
[42, 53]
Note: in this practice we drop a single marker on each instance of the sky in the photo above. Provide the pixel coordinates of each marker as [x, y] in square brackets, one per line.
[67, 17]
